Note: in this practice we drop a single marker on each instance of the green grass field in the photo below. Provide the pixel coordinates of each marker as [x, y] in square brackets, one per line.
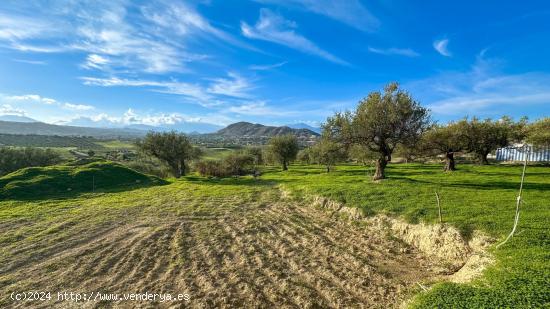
[163, 230]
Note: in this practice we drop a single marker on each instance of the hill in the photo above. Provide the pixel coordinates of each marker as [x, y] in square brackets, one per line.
[40, 128]
[248, 129]
[41, 182]
[16, 118]
[181, 126]
[34, 140]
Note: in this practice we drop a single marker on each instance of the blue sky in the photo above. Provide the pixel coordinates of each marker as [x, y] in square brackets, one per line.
[115, 63]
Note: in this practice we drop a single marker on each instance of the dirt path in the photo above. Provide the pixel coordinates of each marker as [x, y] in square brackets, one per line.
[262, 254]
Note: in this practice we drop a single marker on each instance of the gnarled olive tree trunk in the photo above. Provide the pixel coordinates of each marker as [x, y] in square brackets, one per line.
[449, 162]
[380, 168]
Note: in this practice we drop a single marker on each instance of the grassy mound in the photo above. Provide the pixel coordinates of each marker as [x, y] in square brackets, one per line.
[67, 180]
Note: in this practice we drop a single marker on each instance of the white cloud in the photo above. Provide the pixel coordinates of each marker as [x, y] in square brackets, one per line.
[209, 95]
[266, 67]
[182, 19]
[95, 61]
[394, 51]
[275, 28]
[132, 117]
[32, 97]
[36, 62]
[234, 86]
[47, 101]
[442, 47]
[7, 109]
[154, 39]
[13, 28]
[192, 91]
[350, 12]
[259, 108]
[481, 90]
[77, 107]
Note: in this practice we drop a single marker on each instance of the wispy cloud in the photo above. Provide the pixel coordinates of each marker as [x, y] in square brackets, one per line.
[259, 108]
[350, 12]
[441, 46]
[94, 61]
[77, 107]
[266, 67]
[191, 91]
[151, 38]
[35, 62]
[185, 21]
[482, 90]
[210, 94]
[394, 51]
[234, 86]
[15, 28]
[47, 101]
[275, 28]
[31, 97]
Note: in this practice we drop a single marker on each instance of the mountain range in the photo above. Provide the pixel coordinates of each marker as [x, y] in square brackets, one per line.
[302, 125]
[181, 126]
[16, 118]
[40, 128]
[14, 124]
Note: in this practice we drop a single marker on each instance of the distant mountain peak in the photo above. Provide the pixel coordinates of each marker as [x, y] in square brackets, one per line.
[301, 125]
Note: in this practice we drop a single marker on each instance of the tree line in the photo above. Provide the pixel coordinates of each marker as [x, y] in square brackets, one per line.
[13, 159]
[383, 123]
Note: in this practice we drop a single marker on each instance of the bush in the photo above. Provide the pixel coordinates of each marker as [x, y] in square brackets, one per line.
[13, 159]
[211, 168]
[235, 164]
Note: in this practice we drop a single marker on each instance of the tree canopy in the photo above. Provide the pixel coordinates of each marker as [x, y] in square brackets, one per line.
[380, 123]
[283, 149]
[485, 136]
[172, 148]
[12, 159]
[328, 153]
[445, 139]
[538, 133]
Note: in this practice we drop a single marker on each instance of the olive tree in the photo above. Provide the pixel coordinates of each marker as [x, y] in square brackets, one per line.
[446, 140]
[172, 148]
[283, 149]
[485, 136]
[380, 123]
[328, 153]
[538, 133]
[256, 153]
[307, 156]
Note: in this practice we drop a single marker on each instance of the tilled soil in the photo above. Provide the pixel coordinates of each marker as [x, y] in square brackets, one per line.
[264, 254]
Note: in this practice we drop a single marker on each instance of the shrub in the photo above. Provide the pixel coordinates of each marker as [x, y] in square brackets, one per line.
[238, 164]
[235, 164]
[13, 159]
[211, 168]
